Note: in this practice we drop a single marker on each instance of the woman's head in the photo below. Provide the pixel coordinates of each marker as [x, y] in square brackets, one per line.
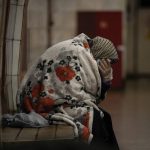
[103, 48]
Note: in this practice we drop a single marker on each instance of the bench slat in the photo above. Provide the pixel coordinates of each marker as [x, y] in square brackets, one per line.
[47, 133]
[53, 132]
[27, 134]
[64, 132]
[10, 134]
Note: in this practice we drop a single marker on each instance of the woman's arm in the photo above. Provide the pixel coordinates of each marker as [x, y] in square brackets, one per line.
[106, 74]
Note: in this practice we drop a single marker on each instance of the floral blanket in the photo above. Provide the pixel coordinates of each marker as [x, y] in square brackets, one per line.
[64, 85]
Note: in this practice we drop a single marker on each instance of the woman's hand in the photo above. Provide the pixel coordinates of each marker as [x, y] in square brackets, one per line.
[105, 69]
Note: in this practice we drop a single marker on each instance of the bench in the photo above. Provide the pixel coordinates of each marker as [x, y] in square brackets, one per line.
[53, 137]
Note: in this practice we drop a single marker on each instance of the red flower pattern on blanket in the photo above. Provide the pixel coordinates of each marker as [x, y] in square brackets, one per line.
[86, 118]
[86, 45]
[27, 104]
[65, 73]
[51, 91]
[44, 105]
[85, 134]
[37, 89]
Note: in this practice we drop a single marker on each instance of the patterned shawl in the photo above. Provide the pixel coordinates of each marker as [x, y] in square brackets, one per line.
[103, 48]
[65, 84]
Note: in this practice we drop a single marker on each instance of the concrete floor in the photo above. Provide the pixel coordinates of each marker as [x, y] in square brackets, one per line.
[130, 111]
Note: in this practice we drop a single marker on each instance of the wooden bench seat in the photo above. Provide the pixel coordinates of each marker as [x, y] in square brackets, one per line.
[25, 138]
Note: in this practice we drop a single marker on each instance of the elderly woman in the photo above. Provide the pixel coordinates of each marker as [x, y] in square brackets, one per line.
[68, 82]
